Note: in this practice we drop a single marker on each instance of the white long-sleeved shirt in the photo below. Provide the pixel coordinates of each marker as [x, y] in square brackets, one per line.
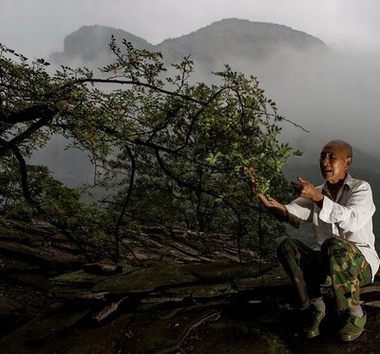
[348, 217]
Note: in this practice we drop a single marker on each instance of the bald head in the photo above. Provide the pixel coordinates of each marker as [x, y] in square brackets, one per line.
[336, 157]
[341, 145]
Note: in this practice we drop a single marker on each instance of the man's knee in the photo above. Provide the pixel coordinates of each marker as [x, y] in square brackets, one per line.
[335, 247]
[287, 246]
[333, 242]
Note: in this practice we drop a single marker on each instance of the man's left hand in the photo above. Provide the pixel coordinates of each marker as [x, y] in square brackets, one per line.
[307, 190]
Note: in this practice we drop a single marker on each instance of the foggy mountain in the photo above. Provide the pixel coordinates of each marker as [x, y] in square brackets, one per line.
[228, 41]
[332, 94]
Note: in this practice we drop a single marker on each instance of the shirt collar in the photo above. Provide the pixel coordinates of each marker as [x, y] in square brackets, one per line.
[347, 181]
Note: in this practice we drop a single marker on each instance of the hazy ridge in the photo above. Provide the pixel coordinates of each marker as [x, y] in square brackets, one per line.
[329, 93]
[211, 45]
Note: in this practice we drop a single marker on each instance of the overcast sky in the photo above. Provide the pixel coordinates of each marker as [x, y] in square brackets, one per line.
[38, 27]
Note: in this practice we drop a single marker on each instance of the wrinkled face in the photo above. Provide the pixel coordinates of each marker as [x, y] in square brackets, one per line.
[334, 162]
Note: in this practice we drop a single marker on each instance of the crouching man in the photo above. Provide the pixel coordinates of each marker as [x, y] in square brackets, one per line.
[341, 211]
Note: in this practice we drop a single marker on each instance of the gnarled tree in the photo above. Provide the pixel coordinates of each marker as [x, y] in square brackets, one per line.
[172, 151]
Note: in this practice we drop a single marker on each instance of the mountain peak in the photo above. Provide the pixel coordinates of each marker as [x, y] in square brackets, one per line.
[90, 43]
[233, 38]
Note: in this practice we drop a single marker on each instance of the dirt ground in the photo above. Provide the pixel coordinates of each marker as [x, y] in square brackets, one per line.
[266, 327]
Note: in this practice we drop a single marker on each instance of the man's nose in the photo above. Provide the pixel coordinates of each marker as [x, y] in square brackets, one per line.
[324, 162]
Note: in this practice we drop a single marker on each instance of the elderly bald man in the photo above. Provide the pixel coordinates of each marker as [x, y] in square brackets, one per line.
[341, 212]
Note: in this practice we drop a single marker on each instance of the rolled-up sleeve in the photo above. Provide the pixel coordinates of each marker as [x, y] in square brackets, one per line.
[299, 211]
[353, 216]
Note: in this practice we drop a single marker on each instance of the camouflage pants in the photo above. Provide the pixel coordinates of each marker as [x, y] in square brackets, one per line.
[339, 261]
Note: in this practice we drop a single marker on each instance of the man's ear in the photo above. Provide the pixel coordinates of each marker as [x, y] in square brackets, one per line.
[349, 161]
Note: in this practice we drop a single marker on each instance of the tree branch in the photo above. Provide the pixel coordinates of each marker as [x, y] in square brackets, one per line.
[181, 183]
[126, 201]
[5, 146]
[136, 83]
[26, 115]
[195, 117]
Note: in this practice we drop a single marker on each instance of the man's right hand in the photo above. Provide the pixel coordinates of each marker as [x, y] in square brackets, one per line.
[275, 207]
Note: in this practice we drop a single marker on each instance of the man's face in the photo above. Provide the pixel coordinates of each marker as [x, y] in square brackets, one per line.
[334, 162]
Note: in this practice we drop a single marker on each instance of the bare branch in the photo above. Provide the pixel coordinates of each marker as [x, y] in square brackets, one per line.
[134, 83]
[126, 201]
